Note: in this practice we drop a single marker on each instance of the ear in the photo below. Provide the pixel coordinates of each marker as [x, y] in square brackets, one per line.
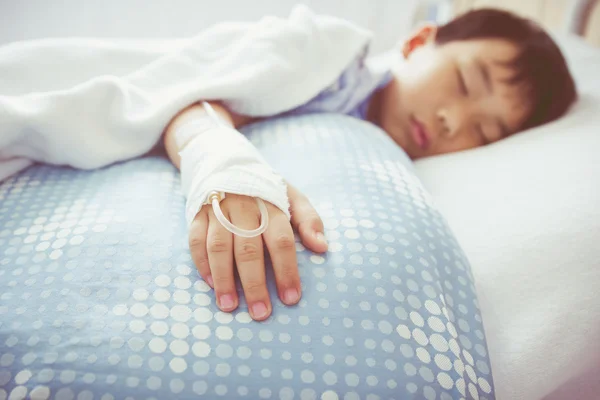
[423, 35]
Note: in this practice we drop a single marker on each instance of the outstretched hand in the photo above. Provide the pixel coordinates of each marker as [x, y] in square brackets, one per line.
[214, 250]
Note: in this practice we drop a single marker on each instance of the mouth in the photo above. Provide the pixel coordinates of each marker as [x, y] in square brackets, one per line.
[419, 133]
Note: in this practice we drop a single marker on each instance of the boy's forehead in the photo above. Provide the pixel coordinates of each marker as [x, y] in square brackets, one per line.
[494, 56]
[492, 50]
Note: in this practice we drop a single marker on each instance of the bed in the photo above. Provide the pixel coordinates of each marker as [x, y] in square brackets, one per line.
[526, 214]
[98, 299]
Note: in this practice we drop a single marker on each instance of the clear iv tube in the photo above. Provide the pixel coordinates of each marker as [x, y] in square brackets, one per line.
[214, 198]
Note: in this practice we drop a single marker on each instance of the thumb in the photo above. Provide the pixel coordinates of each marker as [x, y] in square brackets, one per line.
[309, 225]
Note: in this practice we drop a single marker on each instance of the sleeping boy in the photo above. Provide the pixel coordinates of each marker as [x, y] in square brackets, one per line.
[482, 77]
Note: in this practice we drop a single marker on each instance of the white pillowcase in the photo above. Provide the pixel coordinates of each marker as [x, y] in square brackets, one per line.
[527, 213]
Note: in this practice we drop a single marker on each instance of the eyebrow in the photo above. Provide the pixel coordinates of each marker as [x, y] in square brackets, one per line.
[485, 73]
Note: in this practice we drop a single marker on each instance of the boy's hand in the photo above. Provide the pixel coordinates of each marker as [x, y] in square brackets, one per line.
[214, 250]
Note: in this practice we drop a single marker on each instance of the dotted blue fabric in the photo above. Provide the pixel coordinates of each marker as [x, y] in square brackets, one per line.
[99, 298]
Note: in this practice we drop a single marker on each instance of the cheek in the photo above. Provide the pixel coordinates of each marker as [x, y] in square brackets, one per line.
[420, 73]
[514, 110]
[427, 79]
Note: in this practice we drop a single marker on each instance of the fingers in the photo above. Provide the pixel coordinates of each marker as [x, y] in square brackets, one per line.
[307, 222]
[249, 258]
[219, 247]
[279, 238]
[197, 243]
[214, 249]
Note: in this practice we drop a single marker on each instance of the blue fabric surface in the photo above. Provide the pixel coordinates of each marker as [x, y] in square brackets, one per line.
[99, 298]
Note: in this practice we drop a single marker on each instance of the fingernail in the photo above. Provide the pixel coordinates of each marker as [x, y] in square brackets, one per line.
[259, 310]
[226, 301]
[210, 281]
[290, 296]
[321, 237]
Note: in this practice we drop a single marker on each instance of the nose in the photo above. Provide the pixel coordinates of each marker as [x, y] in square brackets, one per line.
[451, 120]
[448, 125]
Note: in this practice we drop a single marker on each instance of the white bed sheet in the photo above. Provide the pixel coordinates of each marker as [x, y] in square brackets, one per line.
[527, 213]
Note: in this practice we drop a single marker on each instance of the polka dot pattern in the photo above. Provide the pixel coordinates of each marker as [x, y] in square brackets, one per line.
[99, 298]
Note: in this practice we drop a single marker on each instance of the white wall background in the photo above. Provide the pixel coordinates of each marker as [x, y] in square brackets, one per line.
[30, 19]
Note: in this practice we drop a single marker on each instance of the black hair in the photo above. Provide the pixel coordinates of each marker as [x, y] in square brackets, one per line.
[539, 64]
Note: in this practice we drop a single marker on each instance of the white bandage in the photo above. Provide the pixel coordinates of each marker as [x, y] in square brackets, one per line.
[218, 158]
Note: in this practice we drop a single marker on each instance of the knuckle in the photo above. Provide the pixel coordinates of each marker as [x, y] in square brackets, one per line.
[222, 281]
[248, 251]
[289, 270]
[254, 286]
[287, 275]
[242, 203]
[285, 242]
[202, 264]
[313, 220]
[217, 245]
[196, 242]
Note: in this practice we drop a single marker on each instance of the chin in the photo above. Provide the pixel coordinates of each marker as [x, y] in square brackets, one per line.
[402, 140]
[413, 155]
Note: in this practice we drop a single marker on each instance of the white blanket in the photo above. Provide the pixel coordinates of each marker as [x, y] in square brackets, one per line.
[90, 103]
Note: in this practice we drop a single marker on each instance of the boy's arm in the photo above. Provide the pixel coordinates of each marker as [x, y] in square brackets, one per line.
[214, 249]
[197, 111]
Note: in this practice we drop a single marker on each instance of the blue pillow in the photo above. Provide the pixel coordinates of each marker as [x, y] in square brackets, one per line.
[99, 298]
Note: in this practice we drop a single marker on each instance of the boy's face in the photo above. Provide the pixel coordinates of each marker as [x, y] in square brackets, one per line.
[451, 97]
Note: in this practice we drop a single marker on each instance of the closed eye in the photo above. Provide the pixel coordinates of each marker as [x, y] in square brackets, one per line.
[461, 83]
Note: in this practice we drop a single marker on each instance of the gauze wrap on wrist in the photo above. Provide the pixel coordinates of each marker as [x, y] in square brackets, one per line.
[218, 158]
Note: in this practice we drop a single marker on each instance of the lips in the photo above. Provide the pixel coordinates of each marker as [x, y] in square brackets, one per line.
[419, 133]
